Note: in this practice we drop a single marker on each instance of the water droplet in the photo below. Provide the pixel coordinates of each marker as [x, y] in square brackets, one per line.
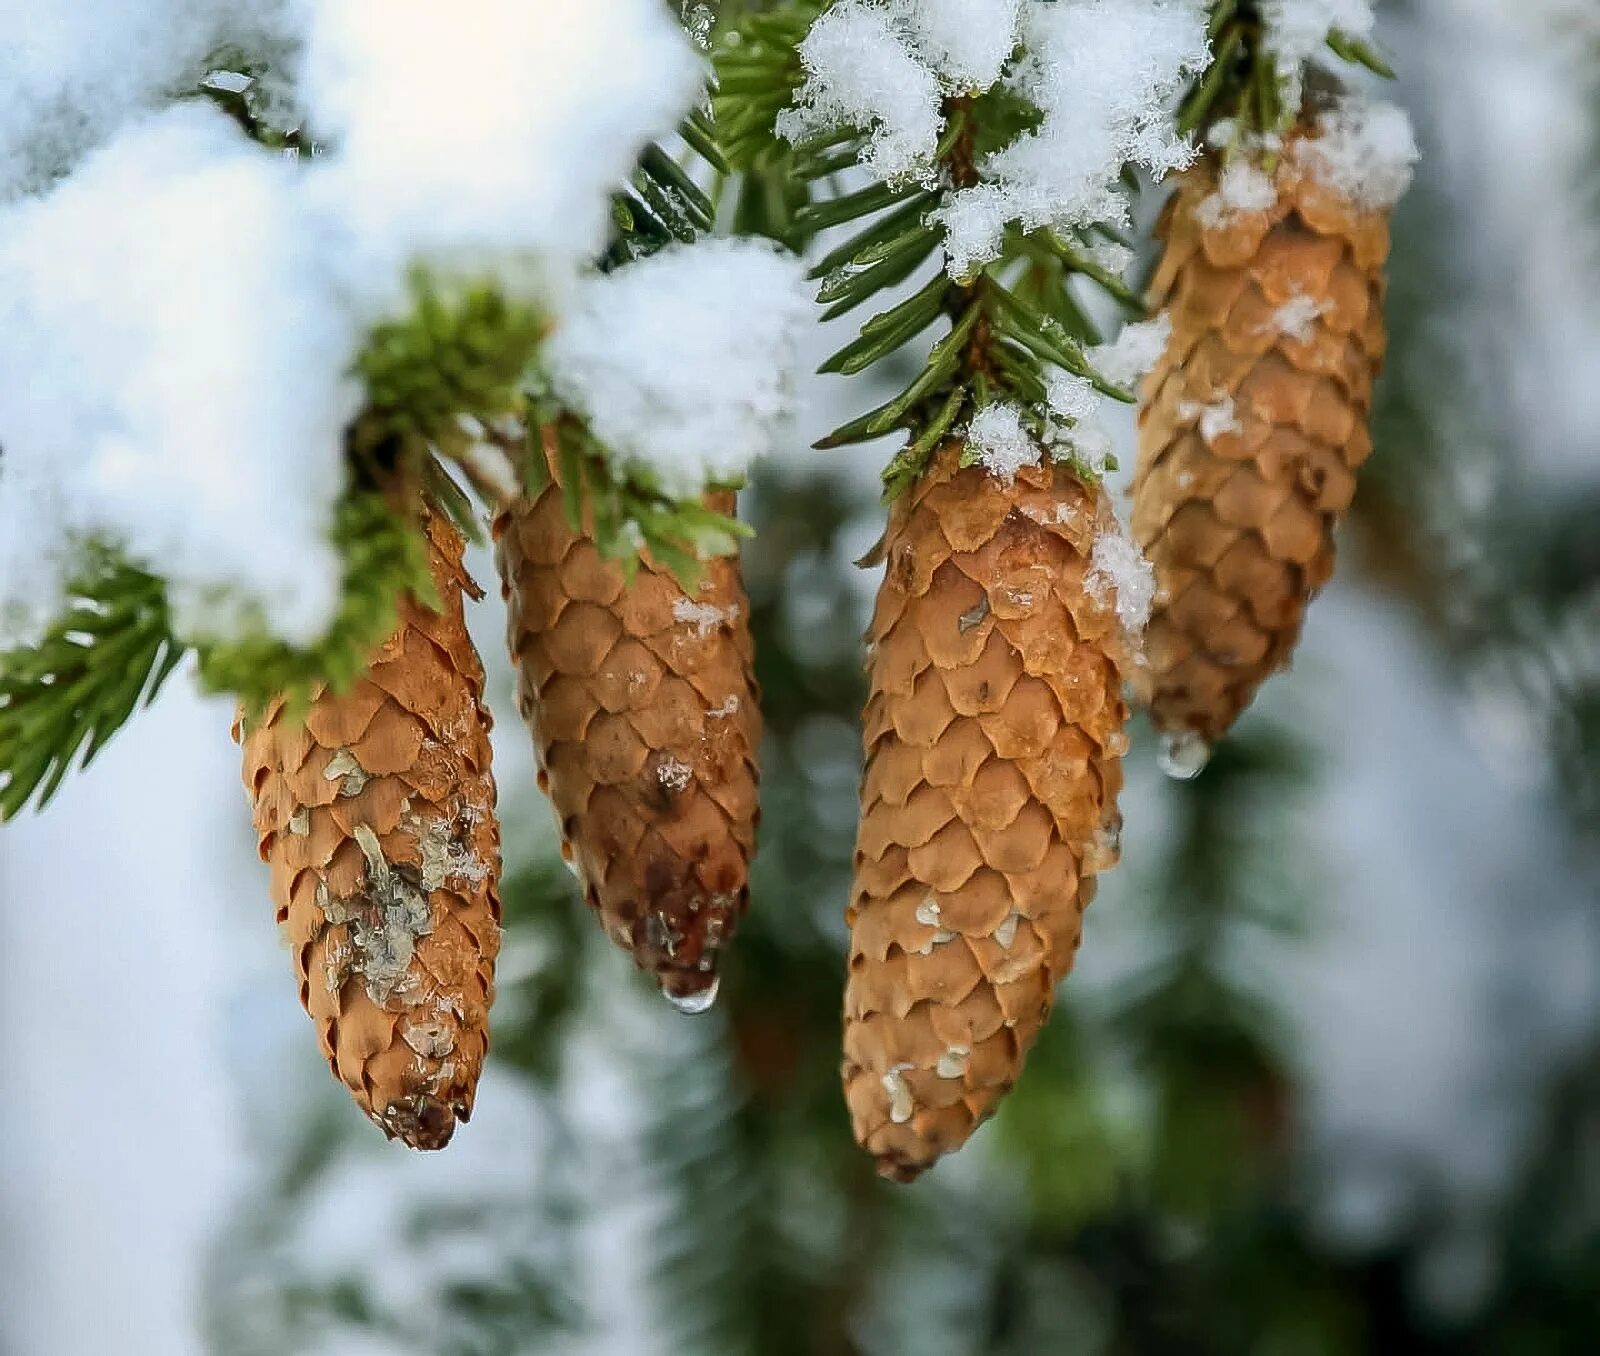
[1184, 756]
[693, 1004]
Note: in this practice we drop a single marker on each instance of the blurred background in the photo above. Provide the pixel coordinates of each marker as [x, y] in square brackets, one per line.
[1326, 1080]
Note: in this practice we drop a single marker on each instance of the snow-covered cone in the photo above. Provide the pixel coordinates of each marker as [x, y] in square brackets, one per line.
[994, 735]
[1254, 423]
[376, 814]
[643, 708]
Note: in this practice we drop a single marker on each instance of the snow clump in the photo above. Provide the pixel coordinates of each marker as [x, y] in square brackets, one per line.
[683, 363]
[1001, 442]
[1364, 150]
[181, 309]
[1104, 74]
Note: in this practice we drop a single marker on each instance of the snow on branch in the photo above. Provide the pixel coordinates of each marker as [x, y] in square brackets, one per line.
[1104, 75]
[684, 363]
[487, 134]
[173, 377]
[1297, 30]
[181, 310]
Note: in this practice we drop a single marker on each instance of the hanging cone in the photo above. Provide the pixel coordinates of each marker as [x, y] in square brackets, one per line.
[377, 816]
[1253, 425]
[645, 718]
[994, 736]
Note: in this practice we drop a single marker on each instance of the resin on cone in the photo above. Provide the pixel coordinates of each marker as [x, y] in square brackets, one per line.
[994, 736]
[643, 707]
[1254, 423]
[376, 814]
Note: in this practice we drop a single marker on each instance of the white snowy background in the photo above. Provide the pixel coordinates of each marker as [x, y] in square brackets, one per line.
[154, 1036]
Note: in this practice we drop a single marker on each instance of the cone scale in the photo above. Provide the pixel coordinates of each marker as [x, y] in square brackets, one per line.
[994, 733]
[1253, 426]
[376, 814]
[643, 708]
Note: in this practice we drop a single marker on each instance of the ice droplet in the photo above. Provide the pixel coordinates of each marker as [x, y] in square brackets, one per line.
[1184, 756]
[693, 1004]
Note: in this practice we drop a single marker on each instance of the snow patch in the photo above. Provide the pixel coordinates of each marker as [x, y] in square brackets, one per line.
[1242, 189]
[1298, 30]
[861, 74]
[1001, 442]
[705, 618]
[1297, 318]
[486, 134]
[1139, 347]
[901, 1105]
[1365, 150]
[966, 42]
[1118, 571]
[1070, 397]
[174, 264]
[180, 308]
[1104, 74]
[73, 74]
[1113, 256]
[685, 363]
[1215, 420]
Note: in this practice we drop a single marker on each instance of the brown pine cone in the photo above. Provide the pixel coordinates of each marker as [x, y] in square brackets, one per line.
[1253, 425]
[994, 737]
[645, 717]
[377, 816]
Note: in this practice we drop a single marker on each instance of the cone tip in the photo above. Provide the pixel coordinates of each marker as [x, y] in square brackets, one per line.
[422, 1122]
[895, 1168]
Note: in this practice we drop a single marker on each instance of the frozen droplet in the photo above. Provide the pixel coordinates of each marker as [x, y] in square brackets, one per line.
[693, 1004]
[1184, 756]
[953, 1063]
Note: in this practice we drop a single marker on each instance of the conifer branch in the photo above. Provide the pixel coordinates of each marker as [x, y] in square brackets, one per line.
[62, 700]
[384, 555]
[113, 648]
[1008, 323]
[1247, 86]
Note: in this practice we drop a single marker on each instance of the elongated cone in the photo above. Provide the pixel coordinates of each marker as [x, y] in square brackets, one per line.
[994, 737]
[1253, 425]
[377, 816]
[645, 718]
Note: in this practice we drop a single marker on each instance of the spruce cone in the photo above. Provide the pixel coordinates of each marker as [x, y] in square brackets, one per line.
[994, 736]
[377, 816]
[1253, 426]
[644, 714]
